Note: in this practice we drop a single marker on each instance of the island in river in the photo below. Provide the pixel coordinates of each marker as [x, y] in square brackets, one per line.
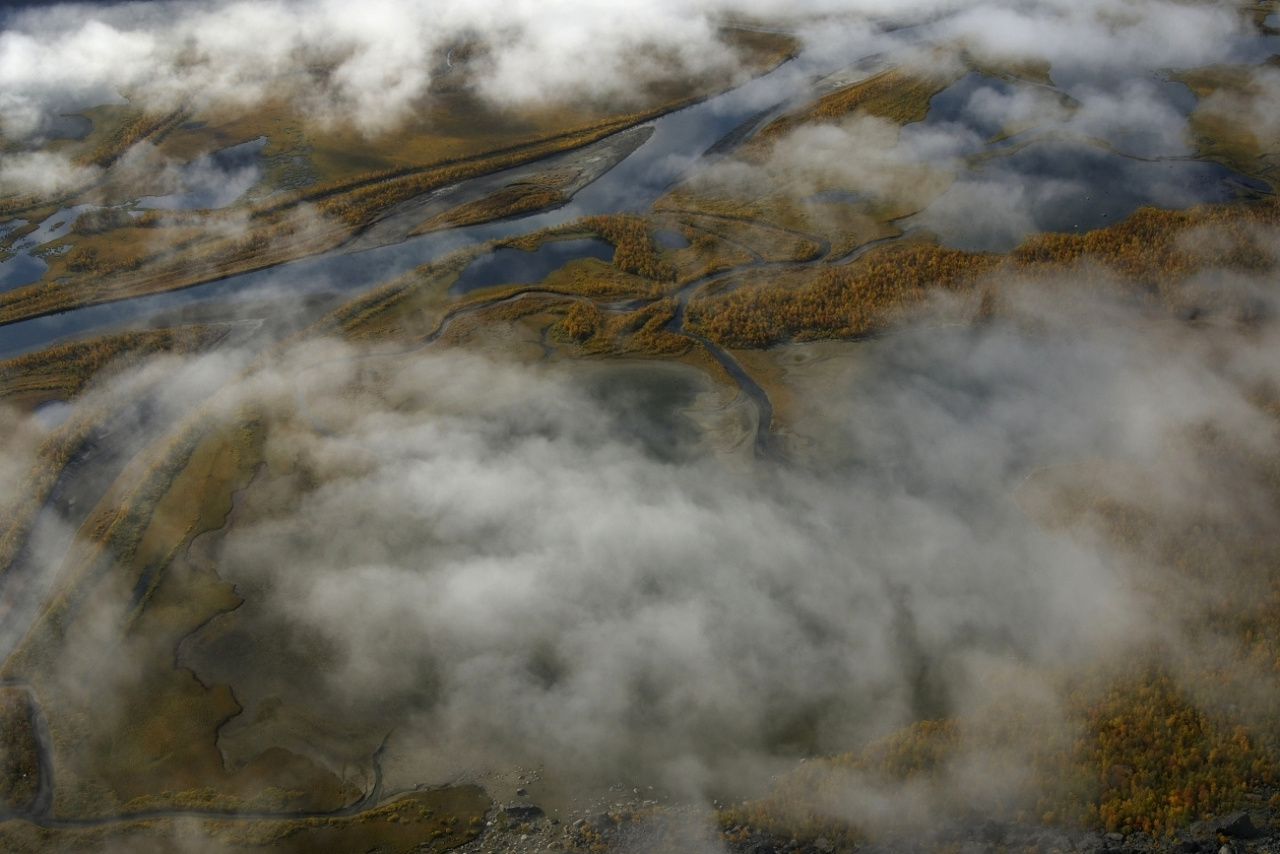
[876, 448]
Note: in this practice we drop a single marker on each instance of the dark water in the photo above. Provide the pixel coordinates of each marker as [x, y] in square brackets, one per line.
[960, 102]
[1068, 187]
[214, 180]
[1011, 188]
[646, 405]
[20, 270]
[976, 108]
[52, 413]
[669, 238]
[845, 196]
[515, 266]
[70, 127]
[26, 267]
[678, 141]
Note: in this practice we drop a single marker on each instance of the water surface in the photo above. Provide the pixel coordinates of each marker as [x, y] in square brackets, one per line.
[1071, 175]
[1068, 187]
[214, 180]
[515, 266]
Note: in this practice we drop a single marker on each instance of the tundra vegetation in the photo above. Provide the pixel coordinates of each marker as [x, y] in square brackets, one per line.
[1153, 742]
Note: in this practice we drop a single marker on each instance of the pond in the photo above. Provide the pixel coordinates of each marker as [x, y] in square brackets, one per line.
[26, 265]
[847, 197]
[1072, 173]
[214, 180]
[70, 127]
[669, 238]
[515, 266]
[52, 413]
[19, 270]
[1067, 187]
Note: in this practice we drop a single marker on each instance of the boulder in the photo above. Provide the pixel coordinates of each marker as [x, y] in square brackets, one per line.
[520, 813]
[1237, 825]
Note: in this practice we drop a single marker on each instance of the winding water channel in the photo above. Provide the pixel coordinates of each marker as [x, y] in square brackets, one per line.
[679, 141]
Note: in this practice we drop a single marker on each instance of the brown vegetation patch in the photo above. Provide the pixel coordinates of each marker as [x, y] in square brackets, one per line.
[642, 331]
[508, 202]
[430, 821]
[1154, 254]
[898, 95]
[19, 753]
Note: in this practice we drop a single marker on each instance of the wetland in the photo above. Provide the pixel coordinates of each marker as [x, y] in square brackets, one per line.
[804, 431]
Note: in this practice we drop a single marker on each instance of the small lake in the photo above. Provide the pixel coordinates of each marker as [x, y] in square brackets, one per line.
[26, 266]
[515, 266]
[20, 270]
[52, 414]
[214, 180]
[847, 197]
[974, 110]
[69, 127]
[669, 238]
[1068, 187]
[1034, 181]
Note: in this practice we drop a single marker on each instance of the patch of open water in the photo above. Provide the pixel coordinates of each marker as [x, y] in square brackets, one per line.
[1028, 183]
[669, 238]
[19, 270]
[515, 266]
[70, 127]
[1063, 186]
[679, 140]
[52, 413]
[214, 180]
[26, 265]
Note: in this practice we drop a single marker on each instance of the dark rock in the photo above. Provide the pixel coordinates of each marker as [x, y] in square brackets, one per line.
[1187, 846]
[523, 812]
[1238, 825]
[762, 848]
[522, 792]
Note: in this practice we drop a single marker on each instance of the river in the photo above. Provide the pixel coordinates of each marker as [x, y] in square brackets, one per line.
[679, 141]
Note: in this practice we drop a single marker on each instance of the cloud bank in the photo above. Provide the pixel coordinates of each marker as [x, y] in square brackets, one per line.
[496, 572]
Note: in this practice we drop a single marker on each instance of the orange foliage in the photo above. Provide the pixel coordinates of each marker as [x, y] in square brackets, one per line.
[634, 248]
[835, 302]
[897, 95]
[641, 331]
[1153, 253]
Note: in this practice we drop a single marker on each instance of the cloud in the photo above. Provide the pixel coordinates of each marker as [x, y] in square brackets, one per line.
[550, 562]
[1098, 37]
[379, 61]
[41, 172]
[501, 573]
